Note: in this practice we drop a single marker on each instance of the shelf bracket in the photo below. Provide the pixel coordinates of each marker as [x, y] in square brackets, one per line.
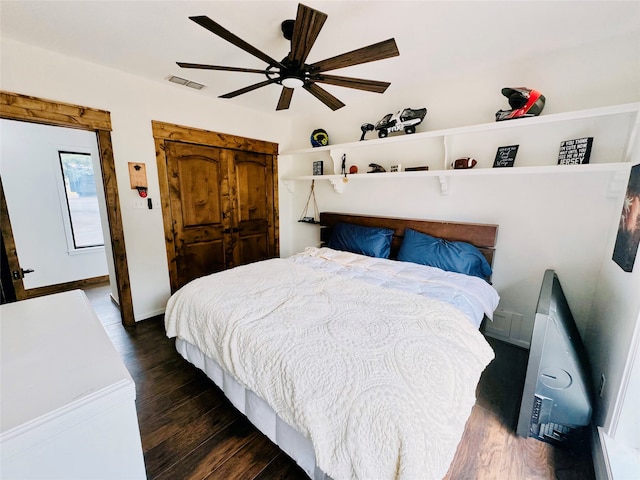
[444, 184]
[336, 157]
[289, 185]
[617, 183]
[338, 184]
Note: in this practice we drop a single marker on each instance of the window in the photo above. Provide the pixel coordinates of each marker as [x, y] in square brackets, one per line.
[81, 200]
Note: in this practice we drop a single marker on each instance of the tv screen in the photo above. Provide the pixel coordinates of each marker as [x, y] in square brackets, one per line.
[556, 400]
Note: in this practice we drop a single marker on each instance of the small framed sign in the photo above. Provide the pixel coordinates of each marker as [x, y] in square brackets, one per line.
[575, 152]
[318, 167]
[505, 156]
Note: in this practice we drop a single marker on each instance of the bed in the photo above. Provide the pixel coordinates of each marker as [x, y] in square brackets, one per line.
[358, 364]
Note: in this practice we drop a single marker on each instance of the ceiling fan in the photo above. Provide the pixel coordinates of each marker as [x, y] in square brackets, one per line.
[292, 71]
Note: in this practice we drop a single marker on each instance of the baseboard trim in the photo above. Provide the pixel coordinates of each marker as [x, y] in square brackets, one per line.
[599, 454]
[151, 314]
[517, 343]
[67, 286]
[114, 301]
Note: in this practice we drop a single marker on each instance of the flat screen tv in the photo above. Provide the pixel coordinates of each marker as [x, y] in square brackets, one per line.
[557, 395]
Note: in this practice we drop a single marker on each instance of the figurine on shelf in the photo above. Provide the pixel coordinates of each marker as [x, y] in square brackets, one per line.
[319, 138]
[366, 127]
[524, 102]
[375, 168]
[406, 120]
[464, 162]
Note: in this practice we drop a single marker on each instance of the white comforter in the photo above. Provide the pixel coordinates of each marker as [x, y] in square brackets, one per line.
[382, 381]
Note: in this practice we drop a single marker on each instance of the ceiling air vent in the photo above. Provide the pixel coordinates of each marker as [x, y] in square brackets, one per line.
[185, 82]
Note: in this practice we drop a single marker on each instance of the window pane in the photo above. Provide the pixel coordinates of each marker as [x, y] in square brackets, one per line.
[80, 188]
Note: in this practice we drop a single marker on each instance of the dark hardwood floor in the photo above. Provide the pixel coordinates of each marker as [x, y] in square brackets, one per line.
[190, 431]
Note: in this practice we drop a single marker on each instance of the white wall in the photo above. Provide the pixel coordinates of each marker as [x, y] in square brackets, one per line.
[32, 180]
[133, 103]
[612, 338]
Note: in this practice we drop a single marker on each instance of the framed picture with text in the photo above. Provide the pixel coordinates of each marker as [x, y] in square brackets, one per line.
[575, 152]
[505, 156]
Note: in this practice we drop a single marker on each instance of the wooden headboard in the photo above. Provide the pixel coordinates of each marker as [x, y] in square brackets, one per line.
[480, 235]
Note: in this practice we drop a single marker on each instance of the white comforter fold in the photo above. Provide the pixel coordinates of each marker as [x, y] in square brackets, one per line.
[382, 381]
[472, 295]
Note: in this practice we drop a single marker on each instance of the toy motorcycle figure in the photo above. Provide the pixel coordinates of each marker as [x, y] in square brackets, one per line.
[406, 120]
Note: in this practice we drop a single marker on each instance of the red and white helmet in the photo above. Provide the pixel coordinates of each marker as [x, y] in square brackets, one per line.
[524, 102]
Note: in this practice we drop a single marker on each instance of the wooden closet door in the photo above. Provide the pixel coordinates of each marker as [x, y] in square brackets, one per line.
[200, 208]
[252, 195]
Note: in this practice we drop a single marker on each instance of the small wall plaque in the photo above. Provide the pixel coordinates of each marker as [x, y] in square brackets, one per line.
[505, 156]
[575, 152]
[137, 175]
[318, 167]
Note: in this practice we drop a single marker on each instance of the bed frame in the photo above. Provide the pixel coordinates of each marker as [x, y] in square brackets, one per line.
[481, 235]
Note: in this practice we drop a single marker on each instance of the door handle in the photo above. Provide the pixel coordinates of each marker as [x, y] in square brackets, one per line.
[18, 274]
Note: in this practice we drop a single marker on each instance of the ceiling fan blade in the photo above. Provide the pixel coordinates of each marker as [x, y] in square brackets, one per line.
[222, 32]
[349, 82]
[325, 97]
[306, 29]
[285, 98]
[217, 67]
[249, 88]
[377, 51]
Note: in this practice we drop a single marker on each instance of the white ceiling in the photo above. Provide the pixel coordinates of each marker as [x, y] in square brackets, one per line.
[435, 38]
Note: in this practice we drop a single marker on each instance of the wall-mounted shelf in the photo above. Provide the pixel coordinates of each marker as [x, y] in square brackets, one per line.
[614, 130]
[444, 175]
[630, 108]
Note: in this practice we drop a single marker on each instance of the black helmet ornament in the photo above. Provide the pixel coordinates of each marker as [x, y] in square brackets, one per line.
[524, 102]
[319, 138]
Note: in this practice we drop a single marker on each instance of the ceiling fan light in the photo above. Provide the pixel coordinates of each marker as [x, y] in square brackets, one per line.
[292, 82]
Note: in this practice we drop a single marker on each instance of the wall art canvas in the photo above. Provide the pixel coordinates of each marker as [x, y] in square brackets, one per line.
[626, 247]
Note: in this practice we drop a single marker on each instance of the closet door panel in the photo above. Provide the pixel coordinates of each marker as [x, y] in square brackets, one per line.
[199, 200]
[252, 197]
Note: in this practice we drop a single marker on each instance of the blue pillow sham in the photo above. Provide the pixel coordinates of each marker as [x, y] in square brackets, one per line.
[458, 257]
[370, 241]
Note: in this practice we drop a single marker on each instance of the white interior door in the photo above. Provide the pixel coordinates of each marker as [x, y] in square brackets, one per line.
[45, 211]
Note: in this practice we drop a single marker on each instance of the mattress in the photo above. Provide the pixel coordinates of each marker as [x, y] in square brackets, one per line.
[257, 410]
[337, 359]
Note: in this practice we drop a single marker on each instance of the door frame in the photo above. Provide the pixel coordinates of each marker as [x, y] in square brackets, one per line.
[170, 132]
[14, 106]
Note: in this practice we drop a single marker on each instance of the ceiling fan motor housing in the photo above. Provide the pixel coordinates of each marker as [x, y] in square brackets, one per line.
[287, 28]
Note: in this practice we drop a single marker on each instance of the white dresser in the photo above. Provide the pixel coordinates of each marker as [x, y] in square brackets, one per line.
[67, 401]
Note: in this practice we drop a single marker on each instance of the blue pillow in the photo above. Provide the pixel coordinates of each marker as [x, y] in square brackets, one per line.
[370, 241]
[458, 257]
